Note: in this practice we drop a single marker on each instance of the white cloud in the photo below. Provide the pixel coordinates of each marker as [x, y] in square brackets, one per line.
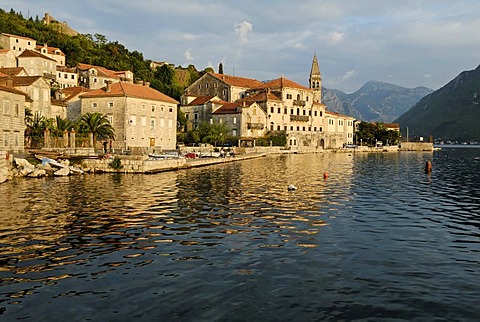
[349, 74]
[242, 30]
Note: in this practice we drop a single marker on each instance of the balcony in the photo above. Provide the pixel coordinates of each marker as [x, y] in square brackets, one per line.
[255, 126]
[299, 118]
[299, 103]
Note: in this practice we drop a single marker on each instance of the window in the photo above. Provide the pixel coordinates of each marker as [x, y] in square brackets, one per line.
[234, 120]
[144, 121]
[298, 128]
[6, 107]
[285, 128]
[152, 125]
[65, 76]
[314, 129]
[278, 127]
[289, 96]
[298, 97]
[153, 108]
[234, 132]
[195, 116]
[162, 122]
[206, 85]
[95, 80]
[110, 104]
[285, 111]
[279, 110]
[170, 110]
[94, 104]
[272, 110]
[170, 123]
[17, 110]
[291, 127]
[72, 77]
[315, 113]
[292, 111]
[321, 113]
[320, 129]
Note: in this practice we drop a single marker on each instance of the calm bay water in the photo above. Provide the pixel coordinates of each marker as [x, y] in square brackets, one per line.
[378, 240]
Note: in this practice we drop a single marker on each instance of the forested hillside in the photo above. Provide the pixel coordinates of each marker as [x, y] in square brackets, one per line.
[98, 50]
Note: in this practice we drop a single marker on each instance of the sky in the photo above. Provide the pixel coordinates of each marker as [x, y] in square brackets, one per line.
[407, 43]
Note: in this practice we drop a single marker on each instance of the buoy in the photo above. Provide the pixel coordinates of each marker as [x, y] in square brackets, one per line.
[291, 187]
[428, 166]
[325, 175]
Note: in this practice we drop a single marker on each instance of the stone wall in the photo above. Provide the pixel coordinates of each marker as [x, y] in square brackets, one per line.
[416, 146]
[6, 160]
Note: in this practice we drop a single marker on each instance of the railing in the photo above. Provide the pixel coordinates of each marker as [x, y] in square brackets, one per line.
[299, 103]
[255, 126]
[299, 118]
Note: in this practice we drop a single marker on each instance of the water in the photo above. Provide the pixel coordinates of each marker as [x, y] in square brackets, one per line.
[378, 240]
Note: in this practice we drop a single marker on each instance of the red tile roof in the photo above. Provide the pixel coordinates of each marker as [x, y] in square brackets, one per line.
[229, 108]
[281, 83]
[200, 100]
[16, 36]
[337, 114]
[12, 90]
[11, 71]
[24, 80]
[34, 54]
[237, 81]
[101, 70]
[51, 50]
[262, 96]
[73, 91]
[131, 90]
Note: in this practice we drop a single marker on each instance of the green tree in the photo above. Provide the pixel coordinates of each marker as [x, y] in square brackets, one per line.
[215, 133]
[99, 125]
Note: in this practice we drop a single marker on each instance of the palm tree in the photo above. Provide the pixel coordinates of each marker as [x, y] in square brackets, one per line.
[62, 125]
[99, 125]
[35, 126]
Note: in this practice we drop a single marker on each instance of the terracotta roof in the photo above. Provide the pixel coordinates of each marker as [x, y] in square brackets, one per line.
[229, 108]
[12, 90]
[16, 36]
[337, 114]
[130, 90]
[11, 71]
[391, 125]
[34, 54]
[200, 100]
[4, 50]
[24, 80]
[51, 50]
[66, 69]
[282, 82]
[58, 102]
[73, 91]
[237, 81]
[2, 75]
[102, 70]
[262, 96]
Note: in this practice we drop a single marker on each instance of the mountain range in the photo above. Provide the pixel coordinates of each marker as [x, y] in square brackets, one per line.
[375, 101]
[450, 113]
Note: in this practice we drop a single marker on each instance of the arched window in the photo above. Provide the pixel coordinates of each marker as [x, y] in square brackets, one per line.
[298, 97]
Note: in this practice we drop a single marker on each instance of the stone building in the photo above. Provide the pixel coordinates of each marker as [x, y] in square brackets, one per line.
[95, 77]
[17, 44]
[52, 52]
[289, 108]
[38, 89]
[143, 118]
[339, 130]
[12, 120]
[37, 64]
[66, 77]
[227, 88]
[7, 58]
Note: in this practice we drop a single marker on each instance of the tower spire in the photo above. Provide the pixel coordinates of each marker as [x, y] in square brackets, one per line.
[315, 80]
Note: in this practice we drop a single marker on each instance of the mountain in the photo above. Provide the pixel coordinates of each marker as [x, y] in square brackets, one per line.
[374, 101]
[450, 113]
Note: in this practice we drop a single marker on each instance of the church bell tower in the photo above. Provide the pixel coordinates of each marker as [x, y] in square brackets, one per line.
[315, 80]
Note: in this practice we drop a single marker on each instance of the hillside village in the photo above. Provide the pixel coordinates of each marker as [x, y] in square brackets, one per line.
[143, 118]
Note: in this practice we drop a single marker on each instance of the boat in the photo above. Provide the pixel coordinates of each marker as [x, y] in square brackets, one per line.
[54, 163]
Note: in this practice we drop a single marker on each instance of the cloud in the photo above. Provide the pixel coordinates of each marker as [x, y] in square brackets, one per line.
[242, 30]
[188, 55]
[349, 74]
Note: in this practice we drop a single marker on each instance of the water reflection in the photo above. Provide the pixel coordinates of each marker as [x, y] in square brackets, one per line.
[208, 243]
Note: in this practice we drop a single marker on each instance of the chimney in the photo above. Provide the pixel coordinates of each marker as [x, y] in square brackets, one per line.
[147, 84]
[109, 86]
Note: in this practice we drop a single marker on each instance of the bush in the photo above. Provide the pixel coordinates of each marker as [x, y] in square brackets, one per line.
[116, 164]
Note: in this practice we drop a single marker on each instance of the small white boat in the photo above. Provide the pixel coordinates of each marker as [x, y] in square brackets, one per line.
[57, 164]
